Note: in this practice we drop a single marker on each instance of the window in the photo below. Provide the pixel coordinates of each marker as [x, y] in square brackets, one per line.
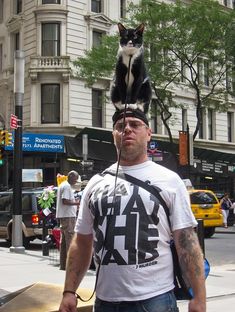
[97, 36]
[1, 56]
[17, 41]
[226, 2]
[96, 6]
[230, 123]
[206, 72]
[50, 103]
[184, 120]
[51, 39]
[201, 132]
[233, 78]
[203, 67]
[210, 124]
[122, 8]
[50, 1]
[97, 112]
[156, 123]
[17, 6]
[182, 71]
[1, 10]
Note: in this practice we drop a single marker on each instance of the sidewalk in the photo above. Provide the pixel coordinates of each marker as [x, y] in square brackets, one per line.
[21, 270]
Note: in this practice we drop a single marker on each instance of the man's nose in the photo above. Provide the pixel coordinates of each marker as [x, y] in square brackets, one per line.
[127, 127]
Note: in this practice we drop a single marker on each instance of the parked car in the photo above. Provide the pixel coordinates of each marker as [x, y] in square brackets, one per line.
[205, 205]
[32, 216]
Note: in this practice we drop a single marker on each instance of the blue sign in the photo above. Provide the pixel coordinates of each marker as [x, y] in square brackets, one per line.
[152, 145]
[32, 142]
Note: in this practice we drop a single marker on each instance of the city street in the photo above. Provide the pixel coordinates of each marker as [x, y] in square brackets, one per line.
[21, 270]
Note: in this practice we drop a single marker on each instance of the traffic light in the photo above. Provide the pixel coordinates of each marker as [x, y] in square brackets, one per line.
[2, 137]
[8, 138]
[1, 156]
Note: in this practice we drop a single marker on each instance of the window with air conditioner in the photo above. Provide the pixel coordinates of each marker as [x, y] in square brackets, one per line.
[50, 103]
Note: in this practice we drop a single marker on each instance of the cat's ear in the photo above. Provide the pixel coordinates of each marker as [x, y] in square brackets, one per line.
[140, 28]
[121, 28]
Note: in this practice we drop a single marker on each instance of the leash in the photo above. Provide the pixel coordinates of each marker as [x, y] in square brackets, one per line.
[114, 196]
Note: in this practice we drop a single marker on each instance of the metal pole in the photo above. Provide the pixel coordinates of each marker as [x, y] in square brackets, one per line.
[188, 151]
[17, 237]
[84, 146]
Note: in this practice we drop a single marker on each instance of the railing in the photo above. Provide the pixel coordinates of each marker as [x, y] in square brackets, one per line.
[46, 62]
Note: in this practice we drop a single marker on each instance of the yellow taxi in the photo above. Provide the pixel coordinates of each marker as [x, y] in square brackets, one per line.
[205, 205]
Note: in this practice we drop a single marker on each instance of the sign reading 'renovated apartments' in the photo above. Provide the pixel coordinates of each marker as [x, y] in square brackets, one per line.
[32, 142]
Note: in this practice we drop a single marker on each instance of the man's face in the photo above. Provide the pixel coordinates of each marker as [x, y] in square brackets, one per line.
[131, 138]
[72, 179]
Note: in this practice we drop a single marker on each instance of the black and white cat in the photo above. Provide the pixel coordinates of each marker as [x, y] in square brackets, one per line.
[131, 84]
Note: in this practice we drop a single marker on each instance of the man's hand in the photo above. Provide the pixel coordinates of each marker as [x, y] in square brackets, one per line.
[68, 303]
[196, 306]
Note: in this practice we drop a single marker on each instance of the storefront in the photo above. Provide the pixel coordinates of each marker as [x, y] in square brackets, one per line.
[40, 151]
[211, 169]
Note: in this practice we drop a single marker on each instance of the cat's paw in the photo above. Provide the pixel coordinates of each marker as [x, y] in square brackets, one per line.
[143, 106]
[121, 106]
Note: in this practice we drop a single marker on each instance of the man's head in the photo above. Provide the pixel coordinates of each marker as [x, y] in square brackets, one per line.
[73, 177]
[131, 137]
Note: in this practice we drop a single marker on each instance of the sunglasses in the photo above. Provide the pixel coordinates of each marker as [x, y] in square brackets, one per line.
[133, 124]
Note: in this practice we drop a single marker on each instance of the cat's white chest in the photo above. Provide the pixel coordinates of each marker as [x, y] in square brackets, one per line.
[128, 61]
[129, 54]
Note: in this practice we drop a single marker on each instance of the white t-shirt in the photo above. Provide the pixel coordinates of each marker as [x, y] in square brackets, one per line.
[65, 191]
[137, 261]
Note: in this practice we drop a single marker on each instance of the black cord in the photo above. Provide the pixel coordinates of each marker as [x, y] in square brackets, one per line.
[114, 195]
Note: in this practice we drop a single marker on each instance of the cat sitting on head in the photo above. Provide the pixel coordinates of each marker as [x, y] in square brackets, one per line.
[131, 87]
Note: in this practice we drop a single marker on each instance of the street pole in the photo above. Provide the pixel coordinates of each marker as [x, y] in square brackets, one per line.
[17, 237]
[84, 151]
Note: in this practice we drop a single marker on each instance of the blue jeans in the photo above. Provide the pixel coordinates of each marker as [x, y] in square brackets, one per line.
[162, 303]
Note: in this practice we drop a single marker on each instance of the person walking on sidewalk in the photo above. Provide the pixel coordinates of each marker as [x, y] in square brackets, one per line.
[66, 212]
[130, 233]
[225, 204]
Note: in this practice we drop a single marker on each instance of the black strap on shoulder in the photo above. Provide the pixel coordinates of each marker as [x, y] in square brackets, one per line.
[145, 185]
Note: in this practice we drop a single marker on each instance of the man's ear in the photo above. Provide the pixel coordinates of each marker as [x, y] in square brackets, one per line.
[149, 134]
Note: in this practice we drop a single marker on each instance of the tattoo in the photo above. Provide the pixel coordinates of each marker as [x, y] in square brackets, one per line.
[190, 254]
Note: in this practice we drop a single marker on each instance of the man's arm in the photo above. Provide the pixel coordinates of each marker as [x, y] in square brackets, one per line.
[79, 258]
[70, 202]
[191, 262]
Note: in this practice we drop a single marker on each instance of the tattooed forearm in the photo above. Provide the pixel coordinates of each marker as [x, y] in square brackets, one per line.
[189, 252]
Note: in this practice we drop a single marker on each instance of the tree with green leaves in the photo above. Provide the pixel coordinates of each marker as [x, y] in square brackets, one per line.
[188, 46]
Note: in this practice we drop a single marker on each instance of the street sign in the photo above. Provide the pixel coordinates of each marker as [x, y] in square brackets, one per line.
[87, 163]
[14, 122]
[152, 145]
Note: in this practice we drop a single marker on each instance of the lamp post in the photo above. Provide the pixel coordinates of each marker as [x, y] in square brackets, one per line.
[17, 238]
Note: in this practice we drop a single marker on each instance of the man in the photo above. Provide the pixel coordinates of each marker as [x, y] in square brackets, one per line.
[66, 212]
[131, 232]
